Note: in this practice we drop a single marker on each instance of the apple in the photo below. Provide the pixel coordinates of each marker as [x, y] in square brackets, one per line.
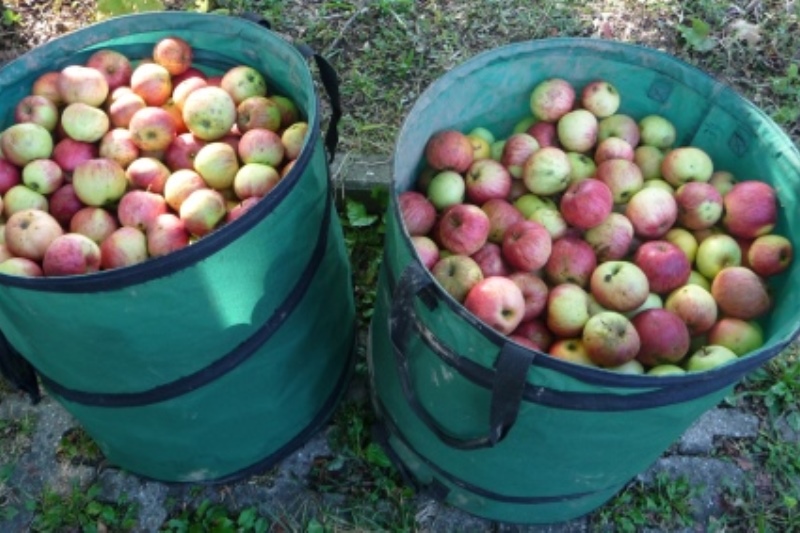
[652, 211]
[83, 122]
[138, 208]
[502, 214]
[567, 309]
[535, 330]
[118, 144]
[619, 285]
[545, 133]
[99, 182]
[696, 278]
[498, 302]
[427, 250]
[463, 229]
[686, 163]
[716, 252]
[685, 240]
[289, 112]
[657, 131]
[665, 265]
[174, 54]
[632, 367]
[126, 246]
[96, 223]
[610, 339]
[217, 163]
[457, 274]
[69, 153]
[255, 179]
[209, 113]
[181, 184]
[571, 260]
[551, 99]
[613, 148]
[612, 238]
[516, 150]
[152, 128]
[546, 171]
[37, 109]
[43, 176]
[258, 112]
[601, 98]
[751, 209]
[740, 293]
[293, 139]
[202, 211]
[619, 125]
[622, 176]
[571, 350]
[527, 245]
[581, 167]
[261, 146]
[182, 90]
[709, 357]
[552, 220]
[740, 336]
[121, 110]
[770, 254]
[64, 203]
[524, 341]
[529, 203]
[417, 212]
[166, 235]
[10, 175]
[46, 85]
[82, 84]
[699, 205]
[20, 197]
[723, 181]
[115, 67]
[21, 266]
[649, 159]
[147, 173]
[578, 131]
[71, 254]
[486, 179]
[666, 370]
[490, 258]
[182, 150]
[695, 306]
[152, 82]
[243, 81]
[534, 291]
[447, 188]
[664, 337]
[238, 209]
[587, 203]
[653, 301]
[23, 142]
[29, 232]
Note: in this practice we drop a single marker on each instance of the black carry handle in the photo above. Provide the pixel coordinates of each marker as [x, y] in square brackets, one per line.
[508, 384]
[330, 82]
[18, 371]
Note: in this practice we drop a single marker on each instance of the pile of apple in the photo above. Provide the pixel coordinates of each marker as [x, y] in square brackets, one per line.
[589, 235]
[118, 160]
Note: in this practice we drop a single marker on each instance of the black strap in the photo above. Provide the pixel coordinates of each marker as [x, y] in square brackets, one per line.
[18, 371]
[510, 373]
[330, 82]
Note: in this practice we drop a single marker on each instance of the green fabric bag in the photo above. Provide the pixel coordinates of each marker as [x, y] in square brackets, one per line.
[507, 433]
[219, 359]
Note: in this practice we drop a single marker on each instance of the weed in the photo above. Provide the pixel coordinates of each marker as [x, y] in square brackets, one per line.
[81, 510]
[77, 447]
[16, 435]
[210, 516]
[10, 17]
[664, 503]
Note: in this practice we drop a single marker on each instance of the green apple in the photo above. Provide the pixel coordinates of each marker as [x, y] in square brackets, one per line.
[709, 357]
[716, 252]
[446, 188]
[657, 131]
[666, 369]
[686, 163]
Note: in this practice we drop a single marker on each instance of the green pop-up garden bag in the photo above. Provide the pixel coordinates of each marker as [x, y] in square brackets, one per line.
[219, 359]
[509, 433]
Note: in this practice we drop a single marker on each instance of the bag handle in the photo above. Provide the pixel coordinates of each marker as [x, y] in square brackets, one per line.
[510, 374]
[329, 79]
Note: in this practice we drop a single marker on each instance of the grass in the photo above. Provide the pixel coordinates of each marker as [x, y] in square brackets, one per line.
[387, 52]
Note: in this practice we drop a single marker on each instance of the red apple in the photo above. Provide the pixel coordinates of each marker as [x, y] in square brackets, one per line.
[181, 184]
[139, 209]
[622, 176]
[174, 54]
[572, 260]
[69, 153]
[118, 144]
[498, 302]
[46, 85]
[183, 89]
[71, 254]
[619, 125]
[612, 238]
[551, 99]
[37, 109]
[535, 330]
[740, 336]
[152, 82]
[741, 293]
[463, 229]
[449, 150]
[78, 83]
[527, 245]
[652, 211]
[486, 179]
[147, 173]
[490, 258]
[695, 306]
[587, 203]
[534, 291]
[614, 148]
[663, 335]
[93, 222]
[501, 215]
[751, 209]
[202, 211]
[10, 175]
[664, 264]
[64, 203]
[699, 205]
[427, 250]
[182, 150]
[166, 235]
[261, 146]
[113, 65]
[126, 246]
[417, 212]
[254, 179]
[516, 150]
[152, 128]
[457, 274]
[545, 133]
[29, 232]
[770, 254]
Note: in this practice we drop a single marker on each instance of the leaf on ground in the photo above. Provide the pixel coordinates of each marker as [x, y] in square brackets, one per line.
[698, 35]
[746, 31]
[114, 8]
[357, 214]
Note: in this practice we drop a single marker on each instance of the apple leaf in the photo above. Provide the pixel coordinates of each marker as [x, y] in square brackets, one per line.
[698, 35]
[114, 8]
[357, 214]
